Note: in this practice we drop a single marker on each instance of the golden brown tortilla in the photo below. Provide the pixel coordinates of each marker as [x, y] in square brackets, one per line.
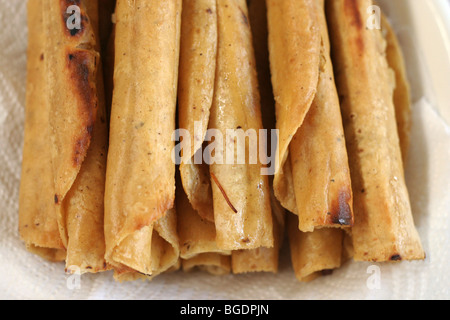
[198, 56]
[38, 225]
[314, 254]
[74, 113]
[294, 46]
[241, 194]
[140, 183]
[318, 155]
[384, 228]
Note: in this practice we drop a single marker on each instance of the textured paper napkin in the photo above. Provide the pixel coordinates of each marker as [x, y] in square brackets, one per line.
[26, 276]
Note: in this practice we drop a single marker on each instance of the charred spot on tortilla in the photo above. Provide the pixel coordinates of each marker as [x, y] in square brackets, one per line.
[341, 213]
[396, 257]
[352, 11]
[82, 77]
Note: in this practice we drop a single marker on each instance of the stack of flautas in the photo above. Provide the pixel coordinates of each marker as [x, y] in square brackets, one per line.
[340, 165]
[225, 215]
[145, 150]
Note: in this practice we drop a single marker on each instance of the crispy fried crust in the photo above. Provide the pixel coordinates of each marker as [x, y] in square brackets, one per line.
[241, 195]
[314, 254]
[384, 228]
[294, 46]
[318, 155]
[38, 225]
[140, 184]
[198, 56]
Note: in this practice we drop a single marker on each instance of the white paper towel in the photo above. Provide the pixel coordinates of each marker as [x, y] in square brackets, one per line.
[26, 276]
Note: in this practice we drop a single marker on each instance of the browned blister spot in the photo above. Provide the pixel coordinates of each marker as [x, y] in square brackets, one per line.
[354, 15]
[352, 12]
[341, 212]
[82, 75]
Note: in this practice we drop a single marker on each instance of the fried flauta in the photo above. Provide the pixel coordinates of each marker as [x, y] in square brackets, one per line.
[262, 259]
[294, 47]
[402, 99]
[77, 130]
[198, 55]
[314, 254]
[38, 225]
[85, 211]
[384, 228]
[241, 195]
[140, 180]
[317, 153]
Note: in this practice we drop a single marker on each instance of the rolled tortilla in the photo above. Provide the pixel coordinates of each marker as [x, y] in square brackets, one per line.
[262, 259]
[314, 254]
[318, 155]
[38, 226]
[318, 174]
[140, 183]
[294, 47]
[402, 98]
[198, 55]
[78, 131]
[384, 228]
[241, 195]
